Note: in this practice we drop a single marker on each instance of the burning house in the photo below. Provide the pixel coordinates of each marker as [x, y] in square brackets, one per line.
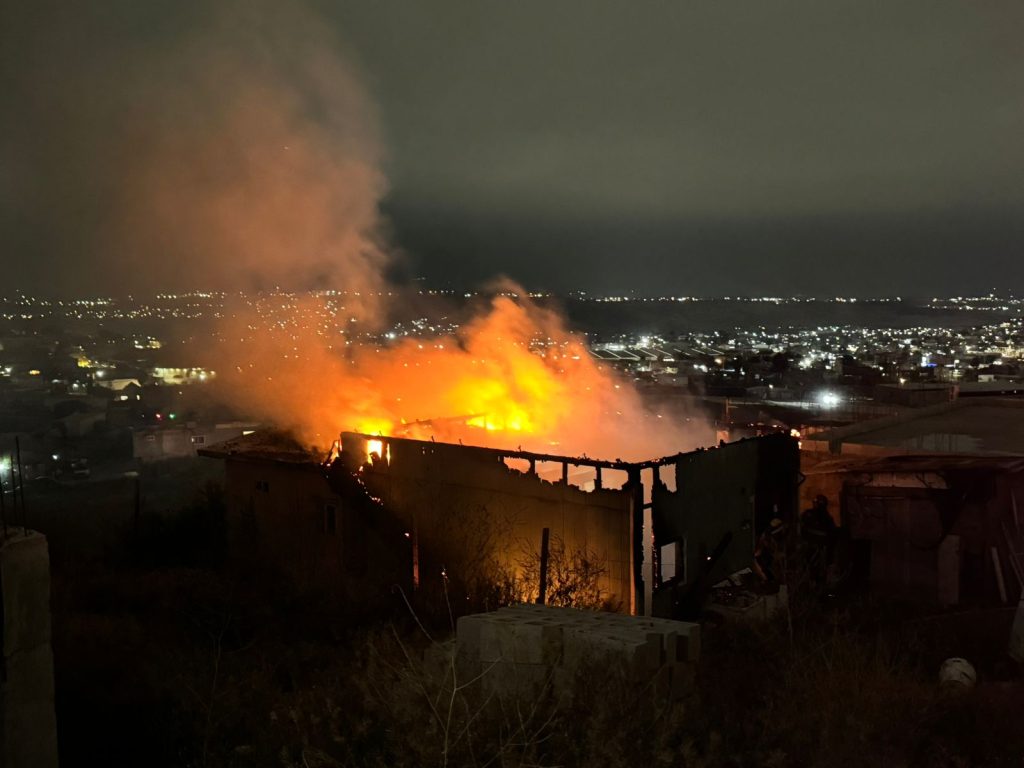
[414, 511]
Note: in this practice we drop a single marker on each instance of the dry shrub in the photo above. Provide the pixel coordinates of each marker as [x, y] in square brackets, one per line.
[573, 579]
[445, 712]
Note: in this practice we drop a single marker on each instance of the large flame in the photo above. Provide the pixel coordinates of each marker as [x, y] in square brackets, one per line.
[514, 377]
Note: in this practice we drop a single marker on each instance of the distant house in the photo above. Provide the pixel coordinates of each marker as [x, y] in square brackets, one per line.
[120, 385]
[916, 394]
[157, 443]
[81, 422]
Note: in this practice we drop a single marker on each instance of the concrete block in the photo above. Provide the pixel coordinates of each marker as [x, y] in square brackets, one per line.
[526, 642]
[468, 629]
[531, 646]
[490, 648]
[688, 644]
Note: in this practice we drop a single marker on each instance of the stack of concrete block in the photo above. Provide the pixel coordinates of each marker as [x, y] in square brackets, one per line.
[519, 649]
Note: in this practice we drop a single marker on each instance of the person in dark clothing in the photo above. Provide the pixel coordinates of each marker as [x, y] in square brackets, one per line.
[818, 532]
[769, 552]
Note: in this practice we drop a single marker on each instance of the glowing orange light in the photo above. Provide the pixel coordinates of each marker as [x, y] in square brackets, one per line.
[374, 447]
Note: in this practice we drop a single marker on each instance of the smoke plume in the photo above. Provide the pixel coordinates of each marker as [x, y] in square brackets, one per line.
[255, 160]
[255, 163]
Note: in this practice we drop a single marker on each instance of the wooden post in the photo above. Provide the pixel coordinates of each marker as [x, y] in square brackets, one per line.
[21, 484]
[545, 551]
[415, 555]
[637, 487]
[3, 503]
[137, 512]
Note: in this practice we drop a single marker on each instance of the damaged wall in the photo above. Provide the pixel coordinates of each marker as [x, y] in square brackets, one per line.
[398, 511]
[467, 507]
[734, 489]
[284, 518]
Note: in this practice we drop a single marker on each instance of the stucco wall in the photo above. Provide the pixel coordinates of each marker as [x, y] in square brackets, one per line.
[463, 500]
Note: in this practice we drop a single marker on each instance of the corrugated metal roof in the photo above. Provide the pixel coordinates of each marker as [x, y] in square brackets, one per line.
[924, 463]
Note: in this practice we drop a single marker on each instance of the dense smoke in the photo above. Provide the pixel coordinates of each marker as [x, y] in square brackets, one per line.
[255, 163]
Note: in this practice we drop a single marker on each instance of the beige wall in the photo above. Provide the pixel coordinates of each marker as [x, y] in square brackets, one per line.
[276, 520]
[464, 501]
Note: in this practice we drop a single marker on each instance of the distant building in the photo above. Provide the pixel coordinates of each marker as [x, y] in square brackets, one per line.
[80, 423]
[947, 530]
[932, 500]
[970, 426]
[915, 394]
[125, 385]
[157, 443]
[991, 388]
[181, 376]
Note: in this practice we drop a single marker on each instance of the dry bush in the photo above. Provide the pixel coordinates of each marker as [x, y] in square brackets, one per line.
[444, 712]
[474, 578]
[573, 580]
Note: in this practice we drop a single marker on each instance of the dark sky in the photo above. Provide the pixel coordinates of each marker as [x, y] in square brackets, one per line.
[678, 147]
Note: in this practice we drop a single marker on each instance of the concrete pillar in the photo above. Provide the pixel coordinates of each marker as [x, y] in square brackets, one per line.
[29, 727]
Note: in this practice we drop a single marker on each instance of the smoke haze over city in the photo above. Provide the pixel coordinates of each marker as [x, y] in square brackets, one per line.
[582, 146]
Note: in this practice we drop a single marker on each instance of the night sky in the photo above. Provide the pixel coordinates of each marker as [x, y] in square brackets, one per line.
[830, 148]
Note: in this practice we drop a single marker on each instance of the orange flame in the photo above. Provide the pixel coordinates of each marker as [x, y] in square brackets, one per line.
[514, 377]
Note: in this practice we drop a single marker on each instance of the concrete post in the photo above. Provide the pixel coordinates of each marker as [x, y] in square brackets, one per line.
[28, 736]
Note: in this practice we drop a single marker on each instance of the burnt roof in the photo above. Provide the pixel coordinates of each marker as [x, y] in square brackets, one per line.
[264, 445]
